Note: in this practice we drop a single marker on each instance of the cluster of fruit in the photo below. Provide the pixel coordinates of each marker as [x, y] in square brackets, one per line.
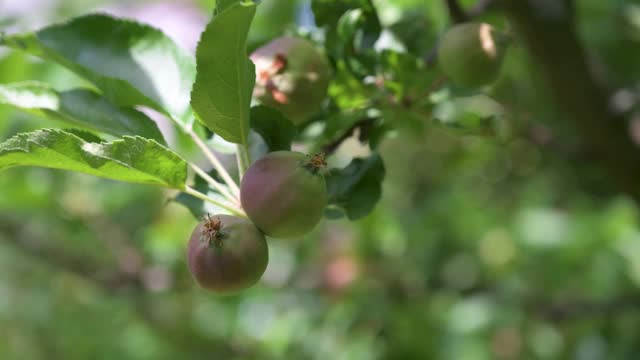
[284, 193]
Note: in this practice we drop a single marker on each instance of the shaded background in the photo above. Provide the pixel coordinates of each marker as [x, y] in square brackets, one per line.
[520, 248]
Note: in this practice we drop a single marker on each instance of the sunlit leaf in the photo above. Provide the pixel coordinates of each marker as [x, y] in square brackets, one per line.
[131, 63]
[80, 107]
[221, 94]
[131, 159]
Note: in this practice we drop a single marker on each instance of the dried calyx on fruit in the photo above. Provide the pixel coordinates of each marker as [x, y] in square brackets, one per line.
[284, 193]
[292, 76]
[471, 54]
[227, 254]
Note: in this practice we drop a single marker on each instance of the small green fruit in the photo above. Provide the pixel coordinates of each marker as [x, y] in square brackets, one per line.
[284, 193]
[471, 54]
[227, 254]
[292, 76]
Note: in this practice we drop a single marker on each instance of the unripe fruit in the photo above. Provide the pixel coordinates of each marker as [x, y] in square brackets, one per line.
[284, 193]
[227, 254]
[471, 54]
[292, 76]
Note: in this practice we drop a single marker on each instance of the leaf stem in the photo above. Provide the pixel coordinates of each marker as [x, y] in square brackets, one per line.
[213, 182]
[232, 209]
[242, 155]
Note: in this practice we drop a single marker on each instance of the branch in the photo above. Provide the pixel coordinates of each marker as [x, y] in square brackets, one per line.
[456, 12]
[553, 43]
[579, 309]
[362, 124]
[482, 6]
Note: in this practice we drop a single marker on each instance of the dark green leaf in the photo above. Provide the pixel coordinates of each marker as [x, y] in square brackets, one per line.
[403, 118]
[131, 159]
[407, 76]
[79, 107]
[276, 130]
[336, 125]
[356, 188]
[352, 28]
[221, 94]
[416, 33]
[474, 115]
[328, 13]
[131, 63]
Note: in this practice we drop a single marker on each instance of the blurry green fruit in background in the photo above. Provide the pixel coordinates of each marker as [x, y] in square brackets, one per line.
[471, 54]
[292, 76]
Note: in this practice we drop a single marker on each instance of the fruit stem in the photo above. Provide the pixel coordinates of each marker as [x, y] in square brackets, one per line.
[232, 209]
[213, 159]
[216, 163]
[213, 182]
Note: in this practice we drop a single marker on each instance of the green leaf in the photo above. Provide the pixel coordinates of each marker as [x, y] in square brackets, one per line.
[406, 119]
[131, 63]
[357, 188]
[408, 76]
[79, 107]
[221, 94]
[473, 115]
[328, 13]
[347, 91]
[350, 23]
[131, 159]
[85, 135]
[416, 32]
[222, 5]
[276, 130]
[352, 29]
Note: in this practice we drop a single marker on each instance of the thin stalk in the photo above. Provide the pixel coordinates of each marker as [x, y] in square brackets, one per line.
[213, 182]
[216, 163]
[232, 209]
[213, 159]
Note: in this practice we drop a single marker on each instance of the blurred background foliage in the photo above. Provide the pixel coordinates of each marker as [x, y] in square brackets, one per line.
[509, 246]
